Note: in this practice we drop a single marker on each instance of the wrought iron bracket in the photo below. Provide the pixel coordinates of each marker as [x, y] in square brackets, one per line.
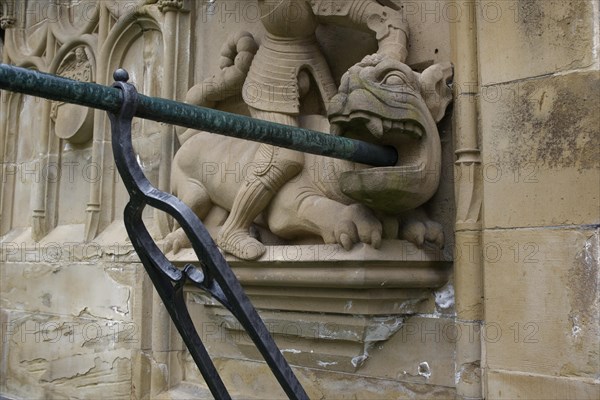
[213, 275]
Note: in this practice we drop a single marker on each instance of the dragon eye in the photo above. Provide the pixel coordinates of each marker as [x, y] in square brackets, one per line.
[393, 79]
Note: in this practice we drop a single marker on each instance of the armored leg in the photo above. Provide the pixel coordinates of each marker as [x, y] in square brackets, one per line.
[274, 167]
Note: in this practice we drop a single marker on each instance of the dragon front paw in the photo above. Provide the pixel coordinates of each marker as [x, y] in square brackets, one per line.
[176, 241]
[419, 232]
[358, 225]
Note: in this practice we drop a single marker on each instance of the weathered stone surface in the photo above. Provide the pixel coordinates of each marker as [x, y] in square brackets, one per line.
[186, 391]
[468, 374]
[67, 356]
[515, 385]
[541, 147]
[60, 289]
[522, 39]
[420, 352]
[468, 280]
[73, 174]
[69, 329]
[240, 376]
[542, 301]
[409, 349]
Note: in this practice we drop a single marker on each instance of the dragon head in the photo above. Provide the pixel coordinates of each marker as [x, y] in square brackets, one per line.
[382, 100]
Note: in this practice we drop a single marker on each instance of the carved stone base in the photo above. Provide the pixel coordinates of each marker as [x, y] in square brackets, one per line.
[325, 307]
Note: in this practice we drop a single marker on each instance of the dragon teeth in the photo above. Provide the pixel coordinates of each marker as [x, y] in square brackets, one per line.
[336, 129]
[387, 125]
[375, 126]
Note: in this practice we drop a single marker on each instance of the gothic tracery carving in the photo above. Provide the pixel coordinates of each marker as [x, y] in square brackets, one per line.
[73, 122]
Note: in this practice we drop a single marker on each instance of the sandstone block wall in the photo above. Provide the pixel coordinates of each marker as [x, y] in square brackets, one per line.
[539, 74]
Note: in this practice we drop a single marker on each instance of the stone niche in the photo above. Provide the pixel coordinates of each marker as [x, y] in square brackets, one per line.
[359, 311]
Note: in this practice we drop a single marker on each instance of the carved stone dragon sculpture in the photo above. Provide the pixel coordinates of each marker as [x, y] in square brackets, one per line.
[380, 100]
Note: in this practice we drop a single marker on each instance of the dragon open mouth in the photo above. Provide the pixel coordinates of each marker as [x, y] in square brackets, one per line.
[362, 123]
[389, 189]
[404, 135]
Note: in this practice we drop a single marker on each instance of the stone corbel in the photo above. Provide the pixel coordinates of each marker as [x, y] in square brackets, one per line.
[7, 14]
[169, 90]
[7, 22]
[170, 5]
[327, 307]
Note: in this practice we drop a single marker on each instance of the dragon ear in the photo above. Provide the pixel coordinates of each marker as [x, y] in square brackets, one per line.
[435, 88]
[337, 103]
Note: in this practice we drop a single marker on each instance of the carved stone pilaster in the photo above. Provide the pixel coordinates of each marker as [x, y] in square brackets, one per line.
[38, 224]
[93, 220]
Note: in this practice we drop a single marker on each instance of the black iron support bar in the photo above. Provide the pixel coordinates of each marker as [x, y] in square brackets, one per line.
[214, 275]
[110, 99]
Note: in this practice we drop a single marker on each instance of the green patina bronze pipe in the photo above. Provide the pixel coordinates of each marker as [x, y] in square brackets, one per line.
[107, 98]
